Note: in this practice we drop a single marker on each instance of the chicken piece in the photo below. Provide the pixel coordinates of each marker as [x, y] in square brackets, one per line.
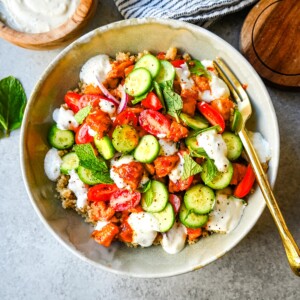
[224, 106]
[177, 132]
[201, 82]
[118, 69]
[164, 164]
[106, 234]
[100, 211]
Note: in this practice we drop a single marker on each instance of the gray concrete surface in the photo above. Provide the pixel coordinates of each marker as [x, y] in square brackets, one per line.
[33, 265]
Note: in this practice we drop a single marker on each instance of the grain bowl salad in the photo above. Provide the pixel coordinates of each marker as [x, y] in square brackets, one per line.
[145, 150]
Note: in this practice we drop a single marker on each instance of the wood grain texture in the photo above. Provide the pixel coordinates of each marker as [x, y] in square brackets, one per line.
[270, 40]
[54, 38]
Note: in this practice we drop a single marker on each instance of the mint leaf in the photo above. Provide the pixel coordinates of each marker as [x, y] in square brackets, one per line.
[211, 170]
[149, 195]
[138, 99]
[196, 67]
[146, 187]
[173, 100]
[82, 114]
[88, 159]
[196, 132]
[159, 94]
[190, 167]
[12, 104]
[104, 177]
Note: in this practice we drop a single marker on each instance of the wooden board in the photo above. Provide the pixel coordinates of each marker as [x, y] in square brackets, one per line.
[270, 40]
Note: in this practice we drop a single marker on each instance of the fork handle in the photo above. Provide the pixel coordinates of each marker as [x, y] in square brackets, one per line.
[290, 246]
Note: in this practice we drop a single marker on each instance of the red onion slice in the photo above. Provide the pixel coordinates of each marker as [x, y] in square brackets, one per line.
[106, 92]
[124, 99]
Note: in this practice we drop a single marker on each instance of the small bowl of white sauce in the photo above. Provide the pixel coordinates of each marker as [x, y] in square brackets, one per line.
[43, 24]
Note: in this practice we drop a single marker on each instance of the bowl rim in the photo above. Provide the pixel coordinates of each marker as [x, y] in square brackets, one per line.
[55, 37]
[114, 26]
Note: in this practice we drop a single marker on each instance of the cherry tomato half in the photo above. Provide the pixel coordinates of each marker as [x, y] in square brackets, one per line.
[212, 115]
[126, 118]
[152, 102]
[180, 185]
[124, 199]
[177, 63]
[154, 122]
[72, 100]
[175, 201]
[245, 186]
[101, 192]
[82, 135]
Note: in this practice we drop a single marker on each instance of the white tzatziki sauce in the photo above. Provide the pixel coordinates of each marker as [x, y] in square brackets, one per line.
[184, 74]
[167, 147]
[177, 172]
[226, 214]
[215, 148]
[173, 241]
[261, 146]
[107, 107]
[64, 119]
[78, 188]
[37, 16]
[145, 228]
[100, 225]
[117, 162]
[98, 66]
[52, 164]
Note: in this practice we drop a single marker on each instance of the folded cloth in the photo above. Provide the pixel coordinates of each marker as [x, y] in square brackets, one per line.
[194, 11]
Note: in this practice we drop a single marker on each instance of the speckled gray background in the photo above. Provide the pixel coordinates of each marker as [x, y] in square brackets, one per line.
[33, 265]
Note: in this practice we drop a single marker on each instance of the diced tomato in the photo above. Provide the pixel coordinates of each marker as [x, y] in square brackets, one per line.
[239, 171]
[165, 164]
[194, 233]
[106, 234]
[177, 63]
[175, 201]
[124, 199]
[82, 135]
[72, 100]
[161, 55]
[154, 122]
[99, 121]
[180, 185]
[152, 102]
[177, 132]
[212, 115]
[126, 232]
[245, 186]
[126, 118]
[224, 106]
[100, 211]
[101, 192]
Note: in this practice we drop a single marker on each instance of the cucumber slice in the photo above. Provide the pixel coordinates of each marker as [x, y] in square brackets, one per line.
[125, 138]
[197, 122]
[105, 147]
[167, 72]
[190, 219]
[156, 198]
[88, 176]
[61, 139]
[138, 82]
[192, 144]
[234, 145]
[165, 218]
[200, 199]
[220, 181]
[147, 149]
[70, 161]
[149, 62]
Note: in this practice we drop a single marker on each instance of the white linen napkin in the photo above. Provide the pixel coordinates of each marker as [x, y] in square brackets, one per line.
[194, 11]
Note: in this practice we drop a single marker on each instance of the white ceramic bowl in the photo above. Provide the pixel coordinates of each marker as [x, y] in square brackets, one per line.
[63, 73]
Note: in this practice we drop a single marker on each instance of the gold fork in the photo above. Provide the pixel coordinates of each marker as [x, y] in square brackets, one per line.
[244, 105]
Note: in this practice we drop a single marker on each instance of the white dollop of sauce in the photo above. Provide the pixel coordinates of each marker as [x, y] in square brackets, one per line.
[64, 119]
[36, 16]
[167, 147]
[52, 163]
[78, 188]
[226, 214]
[177, 172]
[161, 135]
[215, 148]
[145, 228]
[184, 74]
[261, 146]
[100, 225]
[107, 107]
[98, 66]
[173, 241]
[91, 131]
[117, 162]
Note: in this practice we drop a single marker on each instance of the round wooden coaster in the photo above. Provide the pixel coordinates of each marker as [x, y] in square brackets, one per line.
[270, 40]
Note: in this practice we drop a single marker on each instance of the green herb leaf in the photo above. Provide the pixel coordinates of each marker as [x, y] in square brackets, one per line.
[149, 195]
[138, 99]
[104, 177]
[146, 187]
[196, 67]
[159, 94]
[196, 132]
[173, 100]
[12, 104]
[88, 159]
[211, 170]
[190, 167]
[82, 114]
